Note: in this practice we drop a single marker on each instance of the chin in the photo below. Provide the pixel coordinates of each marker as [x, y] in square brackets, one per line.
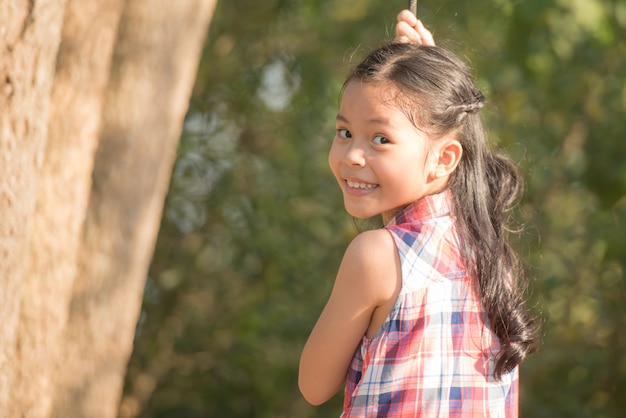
[359, 214]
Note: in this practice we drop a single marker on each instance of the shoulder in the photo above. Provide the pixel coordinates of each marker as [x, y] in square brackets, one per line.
[372, 247]
[372, 259]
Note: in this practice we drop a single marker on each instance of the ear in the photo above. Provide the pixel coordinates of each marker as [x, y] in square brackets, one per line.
[446, 155]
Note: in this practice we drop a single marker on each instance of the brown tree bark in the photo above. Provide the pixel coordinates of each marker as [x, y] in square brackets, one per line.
[29, 39]
[92, 99]
[81, 76]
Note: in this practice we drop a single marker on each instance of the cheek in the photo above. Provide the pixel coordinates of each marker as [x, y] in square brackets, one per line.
[334, 158]
[410, 169]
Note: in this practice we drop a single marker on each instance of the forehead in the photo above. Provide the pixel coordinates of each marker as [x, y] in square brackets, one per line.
[373, 100]
[383, 93]
[370, 97]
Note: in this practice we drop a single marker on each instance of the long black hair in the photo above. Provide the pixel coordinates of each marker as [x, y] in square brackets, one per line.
[438, 94]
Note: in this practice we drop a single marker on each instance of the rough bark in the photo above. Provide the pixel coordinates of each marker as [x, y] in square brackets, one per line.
[29, 39]
[92, 99]
[82, 72]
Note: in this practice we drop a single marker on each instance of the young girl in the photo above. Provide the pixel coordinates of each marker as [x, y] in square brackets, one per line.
[426, 317]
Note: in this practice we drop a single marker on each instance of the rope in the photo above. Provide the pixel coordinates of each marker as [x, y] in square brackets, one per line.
[413, 6]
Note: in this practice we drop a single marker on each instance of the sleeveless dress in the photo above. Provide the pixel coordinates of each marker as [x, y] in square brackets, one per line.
[434, 354]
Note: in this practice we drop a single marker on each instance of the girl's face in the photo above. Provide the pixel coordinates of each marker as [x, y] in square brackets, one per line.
[378, 156]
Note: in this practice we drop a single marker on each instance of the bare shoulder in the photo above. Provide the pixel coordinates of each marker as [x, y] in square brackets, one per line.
[375, 246]
[371, 259]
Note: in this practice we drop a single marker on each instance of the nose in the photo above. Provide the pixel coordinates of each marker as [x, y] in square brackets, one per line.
[354, 156]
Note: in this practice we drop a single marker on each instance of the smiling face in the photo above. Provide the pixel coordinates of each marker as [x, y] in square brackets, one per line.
[380, 159]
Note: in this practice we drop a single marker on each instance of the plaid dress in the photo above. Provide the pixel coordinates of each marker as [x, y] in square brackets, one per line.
[434, 354]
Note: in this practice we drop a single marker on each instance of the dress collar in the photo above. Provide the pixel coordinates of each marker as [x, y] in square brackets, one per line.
[424, 209]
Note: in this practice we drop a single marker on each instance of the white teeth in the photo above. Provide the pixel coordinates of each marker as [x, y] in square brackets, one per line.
[357, 185]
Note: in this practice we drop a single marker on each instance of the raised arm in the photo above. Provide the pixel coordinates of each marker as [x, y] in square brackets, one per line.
[409, 29]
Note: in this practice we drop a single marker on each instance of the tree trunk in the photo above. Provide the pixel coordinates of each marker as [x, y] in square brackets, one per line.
[29, 39]
[93, 95]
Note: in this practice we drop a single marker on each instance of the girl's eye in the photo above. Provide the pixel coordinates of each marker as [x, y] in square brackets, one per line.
[344, 133]
[381, 140]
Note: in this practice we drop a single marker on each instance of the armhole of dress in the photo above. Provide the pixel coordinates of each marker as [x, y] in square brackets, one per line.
[396, 241]
[400, 293]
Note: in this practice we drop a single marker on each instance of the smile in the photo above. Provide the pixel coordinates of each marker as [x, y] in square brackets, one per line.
[358, 185]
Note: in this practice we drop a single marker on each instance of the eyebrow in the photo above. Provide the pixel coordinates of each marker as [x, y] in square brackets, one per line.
[373, 121]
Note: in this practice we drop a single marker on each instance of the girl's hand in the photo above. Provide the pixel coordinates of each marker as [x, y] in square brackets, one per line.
[410, 29]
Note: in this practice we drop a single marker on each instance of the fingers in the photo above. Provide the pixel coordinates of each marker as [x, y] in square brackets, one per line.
[408, 17]
[427, 37]
[407, 33]
[409, 29]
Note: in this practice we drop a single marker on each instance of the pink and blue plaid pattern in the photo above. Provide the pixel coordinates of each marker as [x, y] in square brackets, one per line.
[434, 355]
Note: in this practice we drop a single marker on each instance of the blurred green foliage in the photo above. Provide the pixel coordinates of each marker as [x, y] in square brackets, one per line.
[254, 228]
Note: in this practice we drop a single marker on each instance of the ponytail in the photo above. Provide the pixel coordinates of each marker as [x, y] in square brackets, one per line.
[483, 202]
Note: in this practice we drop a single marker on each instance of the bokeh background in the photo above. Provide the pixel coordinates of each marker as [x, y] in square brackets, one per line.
[254, 228]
